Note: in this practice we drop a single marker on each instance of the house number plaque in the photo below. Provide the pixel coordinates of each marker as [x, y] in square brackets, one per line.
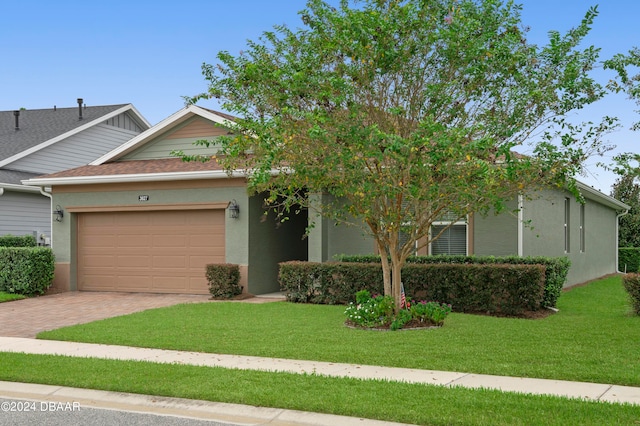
[143, 198]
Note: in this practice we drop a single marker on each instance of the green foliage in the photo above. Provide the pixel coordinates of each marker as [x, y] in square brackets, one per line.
[631, 284]
[629, 259]
[26, 270]
[18, 241]
[378, 312]
[625, 65]
[370, 311]
[431, 312]
[556, 268]
[328, 283]
[223, 280]
[406, 112]
[627, 190]
[492, 288]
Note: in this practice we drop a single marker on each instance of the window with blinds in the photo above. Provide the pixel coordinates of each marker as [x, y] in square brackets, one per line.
[452, 241]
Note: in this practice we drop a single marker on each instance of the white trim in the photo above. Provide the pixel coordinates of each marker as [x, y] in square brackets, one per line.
[601, 197]
[464, 222]
[137, 177]
[18, 188]
[520, 225]
[154, 131]
[70, 133]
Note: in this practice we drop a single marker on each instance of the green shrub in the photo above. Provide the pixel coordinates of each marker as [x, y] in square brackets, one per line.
[429, 312]
[330, 283]
[18, 241]
[629, 259]
[631, 283]
[26, 270]
[556, 270]
[505, 289]
[223, 280]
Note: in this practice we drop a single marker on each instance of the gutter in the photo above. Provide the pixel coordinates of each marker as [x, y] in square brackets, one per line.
[143, 177]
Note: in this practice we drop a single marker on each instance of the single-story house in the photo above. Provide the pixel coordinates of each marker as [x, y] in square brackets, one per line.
[38, 141]
[138, 219]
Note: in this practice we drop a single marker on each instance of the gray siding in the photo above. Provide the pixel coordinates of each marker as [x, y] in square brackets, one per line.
[77, 150]
[24, 213]
[162, 148]
[124, 121]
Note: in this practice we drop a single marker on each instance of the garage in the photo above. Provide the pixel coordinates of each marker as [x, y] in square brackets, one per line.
[162, 251]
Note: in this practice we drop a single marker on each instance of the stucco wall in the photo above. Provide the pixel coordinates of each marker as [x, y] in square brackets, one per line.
[545, 235]
[496, 234]
[326, 239]
[272, 242]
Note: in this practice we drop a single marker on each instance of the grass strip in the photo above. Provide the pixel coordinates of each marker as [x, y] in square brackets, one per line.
[8, 297]
[374, 399]
[593, 338]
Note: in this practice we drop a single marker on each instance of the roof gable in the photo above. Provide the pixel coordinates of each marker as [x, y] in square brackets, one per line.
[176, 124]
[179, 138]
[38, 129]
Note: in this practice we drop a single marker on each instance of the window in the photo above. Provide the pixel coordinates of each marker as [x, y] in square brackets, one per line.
[567, 225]
[582, 231]
[452, 240]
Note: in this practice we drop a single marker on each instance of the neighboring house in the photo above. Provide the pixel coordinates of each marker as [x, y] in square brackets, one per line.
[34, 142]
[137, 219]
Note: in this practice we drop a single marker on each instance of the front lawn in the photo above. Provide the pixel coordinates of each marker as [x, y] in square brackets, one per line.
[8, 297]
[593, 338]
[373, 399]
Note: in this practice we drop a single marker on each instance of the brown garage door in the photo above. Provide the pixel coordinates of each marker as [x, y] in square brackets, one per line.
[149, 251]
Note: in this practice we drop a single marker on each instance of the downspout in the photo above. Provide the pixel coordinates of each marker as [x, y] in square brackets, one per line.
[46, 194]
[520, 226]
[618, 240]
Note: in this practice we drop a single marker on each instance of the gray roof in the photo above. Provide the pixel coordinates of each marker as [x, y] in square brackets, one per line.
[14, 177]
[40, 125]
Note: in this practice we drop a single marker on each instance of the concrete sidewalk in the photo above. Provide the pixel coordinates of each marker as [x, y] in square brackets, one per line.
[587, 391]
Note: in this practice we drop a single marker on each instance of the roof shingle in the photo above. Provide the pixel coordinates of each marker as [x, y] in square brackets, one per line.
[40, 125]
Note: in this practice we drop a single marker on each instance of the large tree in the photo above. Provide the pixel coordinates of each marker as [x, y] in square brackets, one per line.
[406, 112]
[627, 190]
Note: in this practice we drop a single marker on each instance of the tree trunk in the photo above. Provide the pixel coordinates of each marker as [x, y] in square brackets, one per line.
[386, 271]
[396, 279]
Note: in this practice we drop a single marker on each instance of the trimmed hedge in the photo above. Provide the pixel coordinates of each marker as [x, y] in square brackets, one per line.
[629, 259]
[556, 268]
[26, 270]
[223, 279]
[18, 241]
[495, 289]
[631, 283]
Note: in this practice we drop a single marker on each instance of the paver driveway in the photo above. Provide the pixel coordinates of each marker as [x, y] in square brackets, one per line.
[27, 317]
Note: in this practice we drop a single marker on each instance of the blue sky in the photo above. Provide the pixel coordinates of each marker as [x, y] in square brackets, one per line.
[149, 52]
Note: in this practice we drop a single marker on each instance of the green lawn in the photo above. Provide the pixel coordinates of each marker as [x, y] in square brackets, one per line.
[8, 297]
[593, 338]
[375, 399]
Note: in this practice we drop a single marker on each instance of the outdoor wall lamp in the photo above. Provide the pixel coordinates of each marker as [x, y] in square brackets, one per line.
[234, 209]
[58, 213]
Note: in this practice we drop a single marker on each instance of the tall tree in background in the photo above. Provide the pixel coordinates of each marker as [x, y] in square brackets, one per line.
[402, 112]
[627, 190]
